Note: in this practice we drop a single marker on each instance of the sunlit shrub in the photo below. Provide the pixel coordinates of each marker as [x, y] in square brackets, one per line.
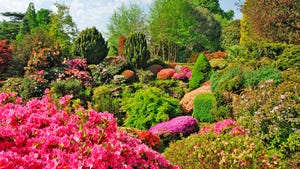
[203, 105]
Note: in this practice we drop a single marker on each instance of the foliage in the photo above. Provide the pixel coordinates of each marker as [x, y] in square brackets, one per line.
[200, 73]
[29, 22]
[125, 20]
[9, 29]
[274, 21]
[214, 55]
[272, 113]
[43, 17]
[121, 44]
[11, 85]
[218, 64]
[148, 107]
[203, 105]
[222, 107]
[91, 45]
[231, 34]
[62, 27]
[33, 85]
[104, 72]
[145, 76]
[165, 74]
[257, 50]
[136, 52]
[290, 57]
[5, 55]
[24, 49]
[220, 151]
[40, 134]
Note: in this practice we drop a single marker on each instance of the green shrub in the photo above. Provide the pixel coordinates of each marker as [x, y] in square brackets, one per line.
[11, 85]
[71, 87]
[30, 87]
[290, 57]
[200, 72]
[136, 52]
[231, 34]
[264, 49]
[218, 64]
[203, 104]
[148, 107]
[91, 45]
[220, 151]
[103, 100]
[145, 76]
[176, 89]
[252, 78]
[222, 107]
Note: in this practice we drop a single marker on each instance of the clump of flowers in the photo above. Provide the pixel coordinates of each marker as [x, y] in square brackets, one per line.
[38, 134]
[149, 138]
[223, 126]
[184, 73]
[184, 125]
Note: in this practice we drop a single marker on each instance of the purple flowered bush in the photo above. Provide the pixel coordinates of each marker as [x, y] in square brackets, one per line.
[184, 125]
[183, 73]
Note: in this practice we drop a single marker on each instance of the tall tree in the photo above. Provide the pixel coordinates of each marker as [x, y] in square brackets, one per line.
[62, 27]
[177, 29]
[125, 21]
[43, 17]
[273, 20]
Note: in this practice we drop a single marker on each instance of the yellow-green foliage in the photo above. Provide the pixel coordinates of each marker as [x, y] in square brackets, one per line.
[247, 34]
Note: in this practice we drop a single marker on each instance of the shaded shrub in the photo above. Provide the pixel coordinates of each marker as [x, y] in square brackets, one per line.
[11, 85]
[200, 72]
[148, 107]
[5, 55]
[290, 57]
[203, 105]
[220, 151]
[155, 68]
[165, 74]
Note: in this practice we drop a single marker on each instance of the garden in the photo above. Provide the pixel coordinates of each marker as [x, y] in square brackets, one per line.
[230, 102]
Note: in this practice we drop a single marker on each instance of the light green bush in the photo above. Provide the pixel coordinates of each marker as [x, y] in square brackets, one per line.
[203, 105]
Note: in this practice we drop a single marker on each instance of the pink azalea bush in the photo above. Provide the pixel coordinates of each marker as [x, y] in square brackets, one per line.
[221, 126]
[42, 134]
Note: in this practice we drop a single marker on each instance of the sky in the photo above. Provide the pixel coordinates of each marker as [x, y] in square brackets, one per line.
[88, 13]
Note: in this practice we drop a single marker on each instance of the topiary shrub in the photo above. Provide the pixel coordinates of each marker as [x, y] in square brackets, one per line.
[203, 105]
[129, 75]
[220, 151]
[148, 107]
[165, 74]
[91, 45]
[290, 57]
[200, 72]
[136, 52]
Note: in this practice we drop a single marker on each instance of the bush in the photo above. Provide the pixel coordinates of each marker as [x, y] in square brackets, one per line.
[148, 107]
[11, 85]
[218, 64]
[136, 52]
[5, 55]
[252, 78]
[145, 76]
[40, 134]
[155, 68]
[129, 75]
[91, 45]
[33, 85]
[200, 73]
[165, 74]
[203, 105]
[220, 151]
[231, 34]
[272, 113]
[290, 57]
[257, 50]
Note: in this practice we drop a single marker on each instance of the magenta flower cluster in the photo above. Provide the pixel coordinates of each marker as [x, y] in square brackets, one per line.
[38, 134]
[225, 125]
[182, 74]
[179, 125]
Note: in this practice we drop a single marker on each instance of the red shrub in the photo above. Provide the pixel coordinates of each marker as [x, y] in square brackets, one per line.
[148, 138]
[122, 40]
[5, 55]
[165, 74]
[216, 55]
[128, 74]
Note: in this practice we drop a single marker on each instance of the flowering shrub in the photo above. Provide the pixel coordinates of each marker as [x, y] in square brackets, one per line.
[5, 55]
[38, 134]
[165, 74]
[148, 138]
[184, 73]
[129, 75]
[225, 126]
[221, 151]
[179, 125]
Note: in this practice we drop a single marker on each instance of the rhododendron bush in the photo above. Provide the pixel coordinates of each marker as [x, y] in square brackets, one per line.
[44, 134]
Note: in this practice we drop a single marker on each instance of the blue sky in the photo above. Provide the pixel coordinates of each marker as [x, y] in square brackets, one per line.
[88, 13]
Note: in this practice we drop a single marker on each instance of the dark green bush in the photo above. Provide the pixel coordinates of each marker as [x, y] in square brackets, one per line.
[91, 45]
[30, 87]
[148, 107]
[290, 57]
[252, 78]
[136, 52]
[200, 72]
[203, 105]
[220, 151]
[222, 107]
